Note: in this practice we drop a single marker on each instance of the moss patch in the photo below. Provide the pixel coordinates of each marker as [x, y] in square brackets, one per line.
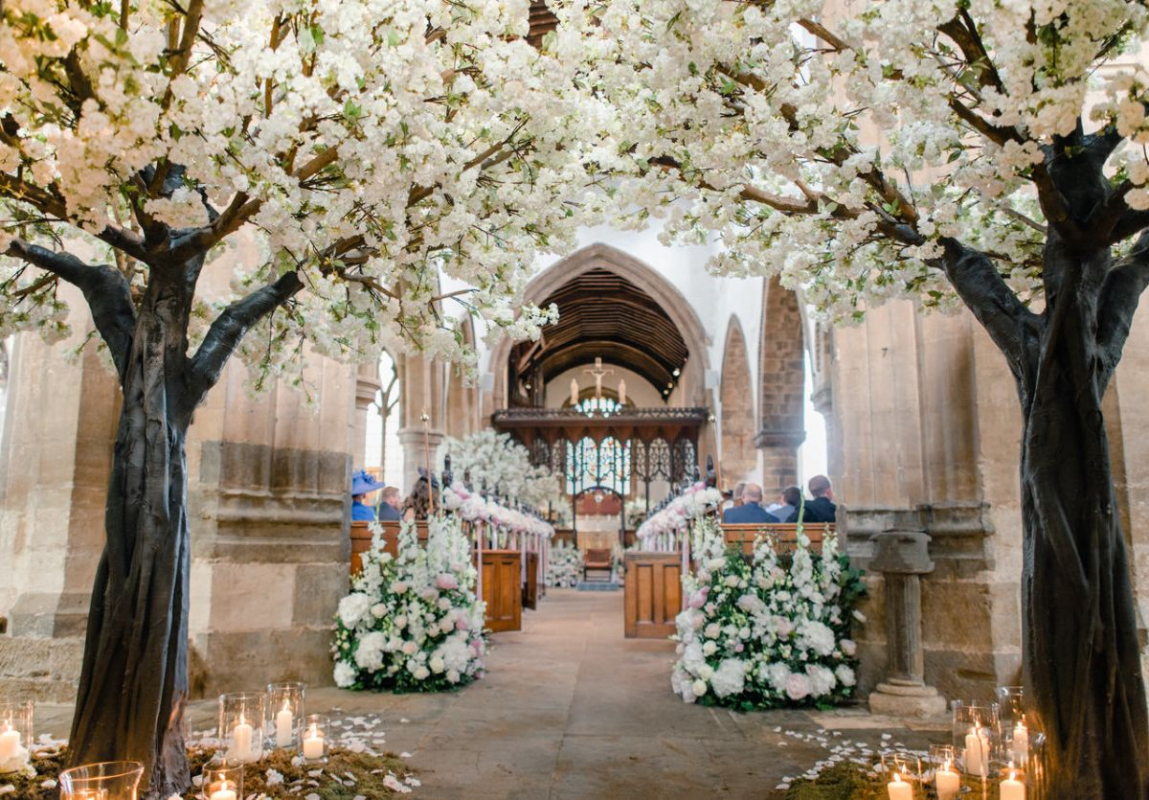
[344, 776]
[840, 782]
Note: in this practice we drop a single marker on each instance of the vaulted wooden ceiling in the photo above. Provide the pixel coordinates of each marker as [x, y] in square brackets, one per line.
[602, 314]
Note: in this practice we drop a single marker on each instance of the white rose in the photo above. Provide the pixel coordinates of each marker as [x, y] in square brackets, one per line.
[437, 664]
[452, 676]
[421, 673]
[401, 621]
[731, 581]
[705, 672]
[709, 649]
[712, 630]
[344, 674]
[699, 688]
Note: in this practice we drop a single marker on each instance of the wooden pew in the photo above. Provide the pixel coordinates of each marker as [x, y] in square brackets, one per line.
[597, 558]
[361, 540]
[531, 587]
[783, 534]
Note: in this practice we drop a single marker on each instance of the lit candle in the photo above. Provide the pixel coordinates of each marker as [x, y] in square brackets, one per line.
[283, 722]
[1020, 746]
[899, 789]
[9, 742]
[1012, 788]
[574, 392]
[241, 740]
[313, 743]
[976, 753]
[948, 782]
[226, 791]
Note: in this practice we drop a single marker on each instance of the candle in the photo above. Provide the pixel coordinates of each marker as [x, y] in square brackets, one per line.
[283, 723]
[948, 783]
[900, 790]
[313, 744]
[976, 753]
[241, 741]
[9, 742]
[1012, 788]
[1019, 749]
[226, 791]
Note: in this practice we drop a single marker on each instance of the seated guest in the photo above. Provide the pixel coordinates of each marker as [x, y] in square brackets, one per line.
[787, 503]
[389, 509]
[362, 485]
[751, 510]
[821, 508]
[734, 497]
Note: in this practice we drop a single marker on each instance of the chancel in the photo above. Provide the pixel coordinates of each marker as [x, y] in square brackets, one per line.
[485, 399]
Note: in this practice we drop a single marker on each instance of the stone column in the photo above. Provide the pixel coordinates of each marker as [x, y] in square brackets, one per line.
[902, 556]
[60, 427]
[366, 386]
[779, 451]
[415, 448]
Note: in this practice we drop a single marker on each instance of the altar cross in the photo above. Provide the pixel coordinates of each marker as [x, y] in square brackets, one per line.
[598, 372]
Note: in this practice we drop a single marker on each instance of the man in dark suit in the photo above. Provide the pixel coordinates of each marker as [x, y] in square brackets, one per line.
[821, 508]
[390, 505]
[751, 510]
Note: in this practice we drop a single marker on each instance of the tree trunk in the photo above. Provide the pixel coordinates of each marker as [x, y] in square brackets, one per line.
[1081, 653]
[133, 685]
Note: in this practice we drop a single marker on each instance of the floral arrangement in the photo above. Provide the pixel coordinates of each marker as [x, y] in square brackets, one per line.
[473, 507]
[564, 566]
[412, 623]
[676, 516]
[767, 630]
[504, 465]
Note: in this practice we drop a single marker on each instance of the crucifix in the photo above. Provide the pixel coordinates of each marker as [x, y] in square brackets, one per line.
[598, 372]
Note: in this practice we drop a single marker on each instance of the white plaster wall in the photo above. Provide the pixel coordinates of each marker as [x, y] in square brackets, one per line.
[639, 390]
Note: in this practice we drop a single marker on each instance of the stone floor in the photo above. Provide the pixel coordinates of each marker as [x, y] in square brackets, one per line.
[571, 709]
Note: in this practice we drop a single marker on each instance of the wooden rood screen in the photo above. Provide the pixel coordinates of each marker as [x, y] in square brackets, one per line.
[653, 594]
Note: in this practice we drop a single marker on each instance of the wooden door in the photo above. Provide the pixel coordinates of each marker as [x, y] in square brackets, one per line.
[653, 595]
[502, 590]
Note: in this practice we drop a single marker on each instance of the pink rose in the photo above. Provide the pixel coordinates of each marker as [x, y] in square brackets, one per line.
[797, 686]
[445, 580]
[849, 647]
[461, 624]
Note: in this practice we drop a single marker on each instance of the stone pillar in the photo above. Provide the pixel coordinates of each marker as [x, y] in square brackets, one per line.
[423, 392]
[779, 456]
[415, 453]
[367, 385]
[902, 556]
[60, 428]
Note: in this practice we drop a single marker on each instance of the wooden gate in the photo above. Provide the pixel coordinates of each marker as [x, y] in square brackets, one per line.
[653, 594]
[502, 590]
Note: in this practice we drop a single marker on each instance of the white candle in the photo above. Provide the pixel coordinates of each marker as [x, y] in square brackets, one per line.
[241, 741]
[899, 789]
[1012, 788]
[1020, 746]
[948, 783]
[283, 724]
[225, 792]
[976, 753]
[313, 744]
[9, 743]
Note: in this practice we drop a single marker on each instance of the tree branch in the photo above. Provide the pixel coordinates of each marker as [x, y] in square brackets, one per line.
[1009, 323]
[105, 289]
[229, 328]
[1120, 295]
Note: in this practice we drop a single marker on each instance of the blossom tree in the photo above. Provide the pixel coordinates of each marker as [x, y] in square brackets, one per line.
[370, 148]
[969, 151]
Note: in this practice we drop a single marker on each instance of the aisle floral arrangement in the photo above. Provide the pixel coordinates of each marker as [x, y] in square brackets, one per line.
[472, 507]
[503, 465]
[564, 566]
[676, 516]
[412, 623]
[767, 630]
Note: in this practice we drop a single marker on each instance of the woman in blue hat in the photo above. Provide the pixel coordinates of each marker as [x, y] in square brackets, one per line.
[362, 484]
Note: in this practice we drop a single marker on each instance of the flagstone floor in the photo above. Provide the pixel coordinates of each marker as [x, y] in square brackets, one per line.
[571, 709]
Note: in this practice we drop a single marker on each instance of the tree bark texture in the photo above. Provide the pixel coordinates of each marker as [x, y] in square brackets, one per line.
[1082, 668]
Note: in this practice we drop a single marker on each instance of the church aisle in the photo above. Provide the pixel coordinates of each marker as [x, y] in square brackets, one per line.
[572, 710]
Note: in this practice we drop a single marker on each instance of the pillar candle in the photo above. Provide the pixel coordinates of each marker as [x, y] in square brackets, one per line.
[313, 744]
[283, 723]
[574, 392]
[9, 743]
[976, 753]
[1020, 746]
[1012, 789]
[899, 789]
[241, 740]
[948, 783]
[225, 792]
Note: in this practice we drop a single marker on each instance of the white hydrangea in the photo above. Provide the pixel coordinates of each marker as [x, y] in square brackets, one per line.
[353, 607]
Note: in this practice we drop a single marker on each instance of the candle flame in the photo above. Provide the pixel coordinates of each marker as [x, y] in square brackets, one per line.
[946, 768]
[7, 726]
[314, 730]
[897, 778]
[286, 705]
[240, 718]
[1013, 774]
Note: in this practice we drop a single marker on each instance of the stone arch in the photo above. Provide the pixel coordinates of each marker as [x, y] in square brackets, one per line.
[677, 307]
[782, 375]
[739, 458]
